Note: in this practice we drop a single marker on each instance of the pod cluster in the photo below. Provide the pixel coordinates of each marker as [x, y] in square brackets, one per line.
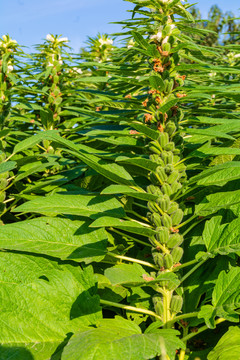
[164, 213]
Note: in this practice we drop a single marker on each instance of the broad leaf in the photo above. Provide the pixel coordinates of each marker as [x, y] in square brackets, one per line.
[41, 302]
[61, 238]
[228, 346]
[119, 336]
[81, 205]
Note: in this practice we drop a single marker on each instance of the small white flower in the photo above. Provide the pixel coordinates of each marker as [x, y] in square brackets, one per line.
[79, 71]
[60, 62]
[14, 41]
[183, 1]
[165, 40]
[49, 64]
[10, 68]
[131, 43]
[237, 56]
[1, 43]
[63, 39]
[213, 96]
[49, 37]
[172, 26]
[4, 37]
[157, 37]
[105, 42]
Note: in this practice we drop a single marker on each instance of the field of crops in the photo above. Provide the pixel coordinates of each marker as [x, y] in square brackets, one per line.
[120, 191]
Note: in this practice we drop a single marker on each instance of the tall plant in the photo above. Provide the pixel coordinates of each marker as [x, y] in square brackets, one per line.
[131, 252]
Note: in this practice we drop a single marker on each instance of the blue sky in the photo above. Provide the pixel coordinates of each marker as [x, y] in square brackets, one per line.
[29, 21]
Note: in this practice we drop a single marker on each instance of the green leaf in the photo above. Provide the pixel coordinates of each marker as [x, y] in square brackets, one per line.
[61, 238]
[7, 166]
[140, 40]
[156, 82]
[215, 202]
[163, 109]
[225, 298]
[81, 205]
[138, 161]
[119, 336]
[122, 189]
[210, 132]
[222, 238]
[150, 133]
[131, 226]
[41, 302]
[125, 273]
[228, 346]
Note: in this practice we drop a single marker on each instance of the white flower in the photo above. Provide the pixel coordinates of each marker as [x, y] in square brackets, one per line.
[1, 43]
[10, 68]
[4, 37]
[105, 42]
[79, 71]
[49, 64]
[213, 96]
[183, 1]
[131, 43]
[60, 62]
[49, 37]
[172, 26]
[157, 37]
[14, 41]
[63, 39]
[237, 56]
[165, 40]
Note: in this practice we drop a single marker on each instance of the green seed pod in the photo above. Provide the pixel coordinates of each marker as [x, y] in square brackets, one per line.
[170, 86]
[172, 208]
[177, 217]
[174, 240]
[158, 304]
[151, 189]
[168, 261]
[3, 184]
[154, 179]
[160, 173]
[163, 139]
[154, 157]
[152, 241]
[166, 189]
[163, 235]
[166, 47]
[166, 221]
[152, 206]
[158, 259]
[170, 128]
[175, 186]
[177, 254]
[154, 150]
[173, 177]
[156, 219]
[170, 146]
[176, 304]
[169, 169]
[176, 159]
[164, 202]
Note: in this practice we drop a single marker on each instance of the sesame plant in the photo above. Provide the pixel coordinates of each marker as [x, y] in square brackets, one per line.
[120, 194]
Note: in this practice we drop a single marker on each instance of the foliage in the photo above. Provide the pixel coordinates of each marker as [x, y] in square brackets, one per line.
[119, 197]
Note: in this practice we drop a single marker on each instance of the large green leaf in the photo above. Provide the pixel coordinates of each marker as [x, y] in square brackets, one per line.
[131, 226]
[225, 298]
[214, 202]
[41, 302]
[228, 346]
[119, 338]
[122, 189]
[82, 205]
[56, 237]
[7, 166]
[222, 239]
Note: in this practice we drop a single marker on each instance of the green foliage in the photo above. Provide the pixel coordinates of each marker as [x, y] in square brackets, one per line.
[119, 191]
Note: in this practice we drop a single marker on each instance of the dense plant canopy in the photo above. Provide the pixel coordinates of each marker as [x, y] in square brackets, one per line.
[120, 192]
